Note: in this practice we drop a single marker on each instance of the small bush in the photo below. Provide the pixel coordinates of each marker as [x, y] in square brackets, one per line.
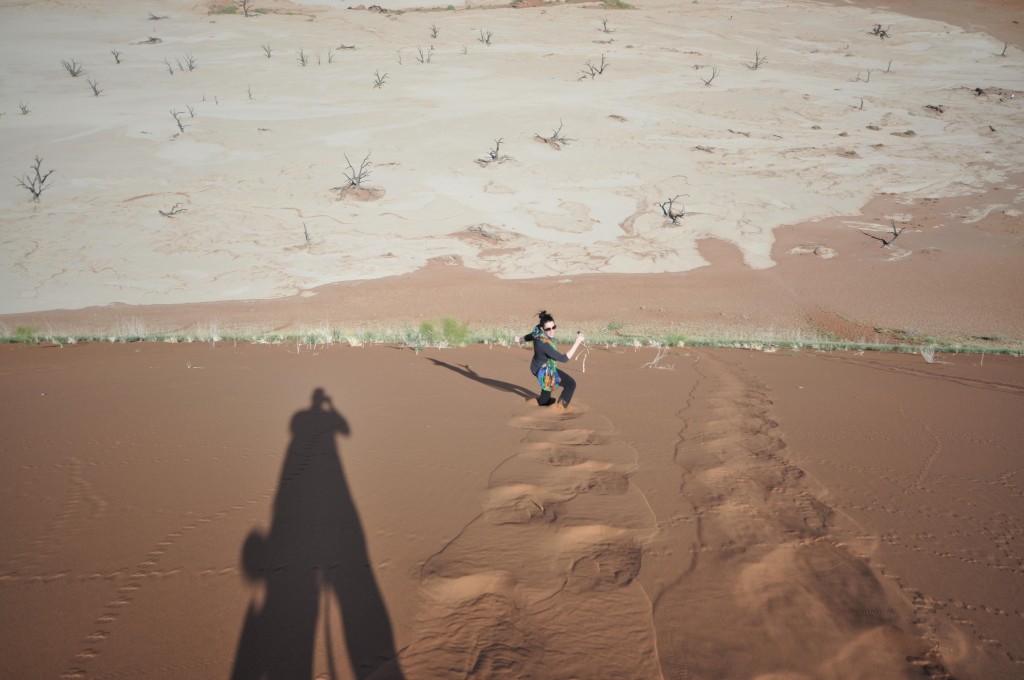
[226, 9]
[428, 334]
[25, 335]
[454, 332]
[675, 340]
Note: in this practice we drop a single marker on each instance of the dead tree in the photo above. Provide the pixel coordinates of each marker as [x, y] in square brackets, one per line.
[94, 86]
[485, 38]
[714, 74]
[671, 211]
[593, 70]
[434, 30]
[494, 155]
[882, 33]
[177, 119]
[35, 181]
[378, 79]
[244, 4]
[355, 178]
[886, 242]
[557, 140]
[176, 210]
[73, 67]
[758, 62]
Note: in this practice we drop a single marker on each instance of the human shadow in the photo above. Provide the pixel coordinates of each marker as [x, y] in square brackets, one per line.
[468, 372]
[313, 558]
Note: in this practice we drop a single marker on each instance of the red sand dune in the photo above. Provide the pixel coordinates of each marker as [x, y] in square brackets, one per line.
[197, 511]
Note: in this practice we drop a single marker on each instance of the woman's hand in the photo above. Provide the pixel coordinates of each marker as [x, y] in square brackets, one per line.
[575, 345]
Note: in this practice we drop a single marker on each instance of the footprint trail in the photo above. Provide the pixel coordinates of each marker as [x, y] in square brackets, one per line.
[767, 587]
[544, 578]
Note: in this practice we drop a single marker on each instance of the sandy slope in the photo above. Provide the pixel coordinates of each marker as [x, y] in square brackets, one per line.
[193, 511]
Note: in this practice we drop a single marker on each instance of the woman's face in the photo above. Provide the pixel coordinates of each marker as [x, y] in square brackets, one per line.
[549, 329]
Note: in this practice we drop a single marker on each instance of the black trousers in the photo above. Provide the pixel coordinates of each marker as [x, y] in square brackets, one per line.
[568, 389]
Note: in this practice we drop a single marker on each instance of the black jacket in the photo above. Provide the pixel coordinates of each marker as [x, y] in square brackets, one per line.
[542, 351]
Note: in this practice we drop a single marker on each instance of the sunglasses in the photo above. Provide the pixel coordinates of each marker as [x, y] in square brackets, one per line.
[549, 328]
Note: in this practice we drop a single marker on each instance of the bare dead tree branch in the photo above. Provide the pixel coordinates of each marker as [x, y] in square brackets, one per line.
[355, 178]
[714, 74]
[671, 211]
[593, 70]
[177, 119]
[35, 180]
[758, 62]
[886, 242]
[494, 155]
[557, 140]
[73, 67]
[175, 210]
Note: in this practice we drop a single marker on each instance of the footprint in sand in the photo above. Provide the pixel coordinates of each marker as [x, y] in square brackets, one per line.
[525, 587]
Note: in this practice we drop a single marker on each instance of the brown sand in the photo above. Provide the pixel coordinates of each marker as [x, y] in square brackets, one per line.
[183, 511]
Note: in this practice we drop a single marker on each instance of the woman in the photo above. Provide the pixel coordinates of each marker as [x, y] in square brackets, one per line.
[545, 354]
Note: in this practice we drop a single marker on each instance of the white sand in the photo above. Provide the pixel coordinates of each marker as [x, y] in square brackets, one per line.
[252, 173]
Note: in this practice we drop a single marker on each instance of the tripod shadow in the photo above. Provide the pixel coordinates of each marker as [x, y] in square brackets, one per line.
[468, 372]
[313, 558]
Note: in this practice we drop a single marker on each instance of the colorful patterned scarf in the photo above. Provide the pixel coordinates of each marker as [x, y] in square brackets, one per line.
[547, 376]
